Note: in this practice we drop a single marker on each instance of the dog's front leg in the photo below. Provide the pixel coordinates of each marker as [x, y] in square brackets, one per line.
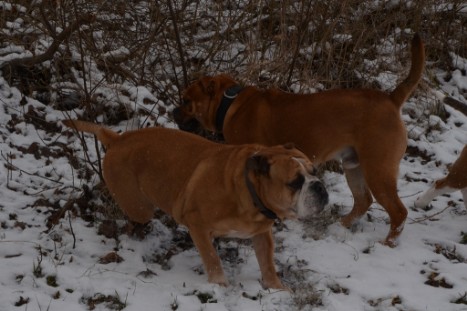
[211, 261]
[263, 244]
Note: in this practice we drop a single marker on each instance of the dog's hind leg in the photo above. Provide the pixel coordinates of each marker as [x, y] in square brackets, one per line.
[123, 185]
[361, 194]
[134, 205]
[383, 186]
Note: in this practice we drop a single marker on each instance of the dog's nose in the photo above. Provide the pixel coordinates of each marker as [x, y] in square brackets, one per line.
[178, 114]
[321, 192]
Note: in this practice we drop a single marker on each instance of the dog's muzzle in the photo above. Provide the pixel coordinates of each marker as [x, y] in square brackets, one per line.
[188, 124]
[312, 199]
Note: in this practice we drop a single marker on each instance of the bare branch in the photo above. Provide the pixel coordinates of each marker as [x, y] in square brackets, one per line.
[65, 34]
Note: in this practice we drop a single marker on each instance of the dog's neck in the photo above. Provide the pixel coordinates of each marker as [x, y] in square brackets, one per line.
[257, 200]
[229, 96]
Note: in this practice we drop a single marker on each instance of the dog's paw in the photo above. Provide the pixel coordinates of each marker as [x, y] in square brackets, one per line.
[419, 203]
[219, 280]
[275, 284]
[389, 242]
[349, 221]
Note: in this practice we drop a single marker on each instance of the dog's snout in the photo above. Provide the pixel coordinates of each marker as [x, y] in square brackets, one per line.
[178, 114]
[184, 122]
[318, 188]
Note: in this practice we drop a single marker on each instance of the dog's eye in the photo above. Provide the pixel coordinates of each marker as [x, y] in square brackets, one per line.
[297, 183]
[185, 102]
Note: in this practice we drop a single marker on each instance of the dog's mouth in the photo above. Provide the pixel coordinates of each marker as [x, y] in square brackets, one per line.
[312, 199]
[186, 122]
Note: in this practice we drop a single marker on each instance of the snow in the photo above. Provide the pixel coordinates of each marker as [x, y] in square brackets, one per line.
[350, 270]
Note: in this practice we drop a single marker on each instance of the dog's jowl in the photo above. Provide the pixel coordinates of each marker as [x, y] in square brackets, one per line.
[213, 189]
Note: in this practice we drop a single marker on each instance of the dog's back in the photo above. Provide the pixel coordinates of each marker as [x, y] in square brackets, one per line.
[137, 165]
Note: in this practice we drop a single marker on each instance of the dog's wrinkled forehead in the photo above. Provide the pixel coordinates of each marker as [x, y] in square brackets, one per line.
[292, 169]
[302, 161]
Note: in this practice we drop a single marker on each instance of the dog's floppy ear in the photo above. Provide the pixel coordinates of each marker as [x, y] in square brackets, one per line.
[209, 86]
[258, 164]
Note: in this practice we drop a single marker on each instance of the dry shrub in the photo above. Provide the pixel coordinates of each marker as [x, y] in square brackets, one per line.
[93, 57]
[163, 45]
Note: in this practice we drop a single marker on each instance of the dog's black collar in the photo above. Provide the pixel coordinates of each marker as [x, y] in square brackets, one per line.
[257, 200]
[229, 96]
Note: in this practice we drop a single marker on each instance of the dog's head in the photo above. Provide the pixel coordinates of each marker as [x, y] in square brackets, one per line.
[200, 102]
[285, 181]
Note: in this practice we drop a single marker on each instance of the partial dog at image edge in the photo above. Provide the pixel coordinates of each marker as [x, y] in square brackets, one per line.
[213, 189]
[360, 127]
[455, 180]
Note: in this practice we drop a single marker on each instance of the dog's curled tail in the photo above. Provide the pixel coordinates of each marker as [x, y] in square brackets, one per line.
[104, 135]
[402, 92]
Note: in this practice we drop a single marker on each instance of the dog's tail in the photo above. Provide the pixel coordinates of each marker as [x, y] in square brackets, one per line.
[104, 135]
[402, 92]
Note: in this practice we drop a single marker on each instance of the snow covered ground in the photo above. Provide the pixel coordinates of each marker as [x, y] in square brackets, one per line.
[67, 266]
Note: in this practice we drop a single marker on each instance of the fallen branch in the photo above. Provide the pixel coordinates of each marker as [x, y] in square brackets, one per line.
[454, 103]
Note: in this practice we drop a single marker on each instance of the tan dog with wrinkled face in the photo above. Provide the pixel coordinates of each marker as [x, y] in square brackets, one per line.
[455, 180]
[360, 127]
[213, 189]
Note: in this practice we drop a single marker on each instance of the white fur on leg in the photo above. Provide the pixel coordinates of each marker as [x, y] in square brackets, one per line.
[430, 194]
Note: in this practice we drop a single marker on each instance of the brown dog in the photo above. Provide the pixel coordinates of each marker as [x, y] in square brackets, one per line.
[455, 180]
[213, 189]
[361, 127]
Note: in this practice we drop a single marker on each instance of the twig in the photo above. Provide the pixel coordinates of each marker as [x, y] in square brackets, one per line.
[14, 167]
[411, 195]
[9, 168]
[80, 136]
[71, 230]
[20, 241]
[430, 216]
[179, 42]
[304, 18]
